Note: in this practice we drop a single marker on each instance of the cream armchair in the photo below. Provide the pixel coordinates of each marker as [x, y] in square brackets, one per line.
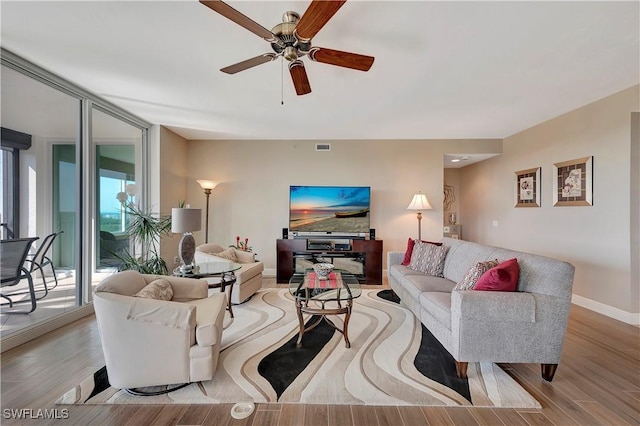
[248, 278]
[148, 342]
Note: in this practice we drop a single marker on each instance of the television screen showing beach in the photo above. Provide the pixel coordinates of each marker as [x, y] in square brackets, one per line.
[329, 208]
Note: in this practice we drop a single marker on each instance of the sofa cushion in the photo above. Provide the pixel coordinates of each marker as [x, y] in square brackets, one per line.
[229, 254]
[438, 305]
[422, 283]
[474, 273]
[503, 277]
[158, 289]
[463, 254]
[428, 258]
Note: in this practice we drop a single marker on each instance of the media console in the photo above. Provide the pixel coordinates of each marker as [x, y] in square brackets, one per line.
[361, 257]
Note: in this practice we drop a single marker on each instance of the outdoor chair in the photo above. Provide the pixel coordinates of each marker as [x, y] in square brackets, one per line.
[39, 260]
[13, 255]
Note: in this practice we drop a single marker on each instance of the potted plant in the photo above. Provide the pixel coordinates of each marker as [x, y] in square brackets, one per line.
[145, 230]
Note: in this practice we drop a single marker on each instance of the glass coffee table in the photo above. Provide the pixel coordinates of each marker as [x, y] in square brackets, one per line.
[223, 270]
[312, 296]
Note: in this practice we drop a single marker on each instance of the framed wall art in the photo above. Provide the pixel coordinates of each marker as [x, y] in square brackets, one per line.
[573, 182]
[527, 188]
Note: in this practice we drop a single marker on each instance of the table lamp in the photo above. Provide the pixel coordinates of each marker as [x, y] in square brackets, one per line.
[185, 221]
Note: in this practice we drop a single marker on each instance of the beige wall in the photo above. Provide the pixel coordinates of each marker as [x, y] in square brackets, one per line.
[595, 239]
[252, 199]
[173, 178]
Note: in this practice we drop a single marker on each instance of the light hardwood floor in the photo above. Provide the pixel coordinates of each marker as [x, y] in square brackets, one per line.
[597, 383]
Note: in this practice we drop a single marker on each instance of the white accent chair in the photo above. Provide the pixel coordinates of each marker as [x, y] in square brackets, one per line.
[248, 278]
[148, 342]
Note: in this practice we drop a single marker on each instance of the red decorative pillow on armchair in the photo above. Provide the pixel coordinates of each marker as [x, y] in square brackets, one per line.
[503, 277]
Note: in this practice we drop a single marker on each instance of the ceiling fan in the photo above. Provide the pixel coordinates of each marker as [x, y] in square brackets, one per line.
[291, 39]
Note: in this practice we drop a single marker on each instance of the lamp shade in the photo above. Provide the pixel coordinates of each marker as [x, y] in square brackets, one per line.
[207, 184]
[185, 220]
[419, 202]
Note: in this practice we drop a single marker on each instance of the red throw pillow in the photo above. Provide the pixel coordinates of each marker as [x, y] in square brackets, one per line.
[503, 277]
[407, 254]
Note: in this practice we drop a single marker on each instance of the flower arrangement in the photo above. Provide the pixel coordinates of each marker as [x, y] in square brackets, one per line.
[241, 245]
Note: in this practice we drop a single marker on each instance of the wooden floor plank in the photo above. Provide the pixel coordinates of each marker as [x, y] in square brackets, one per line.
[144, 416]
[538, 419]
[262, 418]
[412, 416]
[388, 416]
[486, 417]
[195, 414]
[291, 414]
[316, 415]
[220, 415]
[462, 416]
[510, 417]
[603, 414]
[340, 415]
[364, 416]
[169, 415]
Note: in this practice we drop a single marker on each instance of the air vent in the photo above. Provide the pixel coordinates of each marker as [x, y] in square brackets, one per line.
[323, 147]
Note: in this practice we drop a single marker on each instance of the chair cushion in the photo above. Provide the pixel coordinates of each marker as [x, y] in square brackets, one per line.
[503, 277]
[126, 283]
[158, 289]
[474, 273]
[248, 271]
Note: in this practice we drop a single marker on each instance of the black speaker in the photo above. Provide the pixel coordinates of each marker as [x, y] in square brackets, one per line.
[372, 234]
[285, 233]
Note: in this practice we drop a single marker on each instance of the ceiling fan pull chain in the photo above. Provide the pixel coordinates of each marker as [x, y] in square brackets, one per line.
[282, 81]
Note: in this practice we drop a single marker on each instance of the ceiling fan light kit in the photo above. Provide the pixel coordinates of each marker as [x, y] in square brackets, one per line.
[292, 39]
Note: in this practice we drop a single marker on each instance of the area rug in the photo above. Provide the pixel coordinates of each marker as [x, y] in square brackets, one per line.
[393, 360]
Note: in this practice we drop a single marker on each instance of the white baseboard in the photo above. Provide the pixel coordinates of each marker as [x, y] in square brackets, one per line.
[269, 272]
[44, 327]
[609, 311]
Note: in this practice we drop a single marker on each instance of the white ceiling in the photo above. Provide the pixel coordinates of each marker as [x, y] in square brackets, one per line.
[442, 69]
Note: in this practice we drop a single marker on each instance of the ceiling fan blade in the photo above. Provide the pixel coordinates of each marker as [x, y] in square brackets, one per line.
[315, 17]
[341, 59]
[244, 21]
[299, 76]
[249, 63]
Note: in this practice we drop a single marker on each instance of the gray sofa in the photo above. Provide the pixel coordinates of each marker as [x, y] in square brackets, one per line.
[526, 326]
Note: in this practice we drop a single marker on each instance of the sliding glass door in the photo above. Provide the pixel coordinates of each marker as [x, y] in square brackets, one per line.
[117, 185]
[69, 164]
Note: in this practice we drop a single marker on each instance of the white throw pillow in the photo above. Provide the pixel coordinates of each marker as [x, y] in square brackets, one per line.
[229, 254]
[159, 289]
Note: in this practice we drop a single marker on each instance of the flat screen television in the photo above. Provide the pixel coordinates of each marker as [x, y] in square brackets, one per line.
[329, 209]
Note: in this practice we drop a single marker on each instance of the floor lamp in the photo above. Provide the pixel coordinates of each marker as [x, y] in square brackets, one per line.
[207, 185]
[419, 203]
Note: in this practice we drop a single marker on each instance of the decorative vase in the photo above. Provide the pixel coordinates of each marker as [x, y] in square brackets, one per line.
[453, 218]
